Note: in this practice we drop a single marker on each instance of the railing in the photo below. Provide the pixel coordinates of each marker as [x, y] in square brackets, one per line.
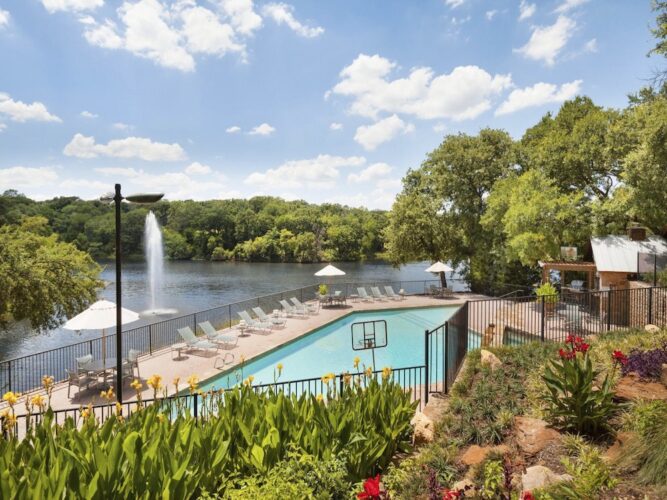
[516, 320]
[24, 373]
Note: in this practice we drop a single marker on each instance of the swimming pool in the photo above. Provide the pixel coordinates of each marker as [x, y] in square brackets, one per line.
[329, 348]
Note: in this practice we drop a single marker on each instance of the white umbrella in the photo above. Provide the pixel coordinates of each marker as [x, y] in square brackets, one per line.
[330, 271]
[100, 316]
[441, 269]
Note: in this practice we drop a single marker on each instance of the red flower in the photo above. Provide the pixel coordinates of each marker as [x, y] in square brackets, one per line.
[451, 494]
[371, 489]
[569, 339]
[582, 347]
[619, 357]
[527, 495]
[566, 354]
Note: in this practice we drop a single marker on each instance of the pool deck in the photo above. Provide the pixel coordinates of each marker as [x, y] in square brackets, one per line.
[208, 364]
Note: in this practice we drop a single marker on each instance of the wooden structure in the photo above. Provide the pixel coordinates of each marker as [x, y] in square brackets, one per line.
[569, 265]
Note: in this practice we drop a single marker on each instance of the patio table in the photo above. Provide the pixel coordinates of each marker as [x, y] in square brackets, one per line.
[100, 366]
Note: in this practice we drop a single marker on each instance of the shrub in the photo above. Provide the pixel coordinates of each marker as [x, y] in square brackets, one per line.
[323, 289]
[648, 452]
[547, 292]
[574, 403]
[647, 364]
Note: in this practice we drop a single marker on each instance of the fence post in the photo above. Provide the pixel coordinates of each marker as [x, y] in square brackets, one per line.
[649, 320]
[9, 371]
[544, 317]
[195, 405]
[609, 309]
[426, 367]
[90, 346]
[194, 323]
[446, 358]
[150, 338]
[229, 311]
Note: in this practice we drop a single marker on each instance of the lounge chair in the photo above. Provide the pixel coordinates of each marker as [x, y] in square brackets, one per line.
[254, 324]
[272, 320]
[391, 294]
[291, 310]
[79, 380]
[193, 342]
[309, 308]
[363, 295]
[213, 335]
[377, 294]
[447, 293]
[131, 363]
[82, 362]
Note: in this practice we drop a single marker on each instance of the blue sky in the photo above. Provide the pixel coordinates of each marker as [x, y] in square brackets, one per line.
[320, 100]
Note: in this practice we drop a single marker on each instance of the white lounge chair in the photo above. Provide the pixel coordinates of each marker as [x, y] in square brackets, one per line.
[254, 324]
[363, 295]
[213, 335]
[273, 321]
[291, 310]
[377, 294]
[309, 308]
[391, 294]
[193, 342]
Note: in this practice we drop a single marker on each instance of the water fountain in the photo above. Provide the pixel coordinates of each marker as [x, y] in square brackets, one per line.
[154, 251]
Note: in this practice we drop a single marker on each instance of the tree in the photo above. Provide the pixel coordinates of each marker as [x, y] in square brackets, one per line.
[42, 279]
[660, 33]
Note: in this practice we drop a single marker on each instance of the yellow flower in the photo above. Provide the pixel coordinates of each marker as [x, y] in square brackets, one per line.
[108, 395]
[242, 359]
[9, 419]
[369, 372]
[11, 398]
[357, 360]
[119, 408]
[38, 401]
[47, 382]
[347, 378]
[319, 398]
[160, 417]
[386, 372]
[87, 412]
[193, 380]
[137, 385]
[280, 367]
[155, 382]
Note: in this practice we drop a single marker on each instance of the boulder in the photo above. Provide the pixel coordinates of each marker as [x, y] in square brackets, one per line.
[663, 375]
[436, 407]
[423, 429]
[539, 476]
[490, 359]
[652, 328]
[476, 454]
[630, 388]
[533, 434]
[615, 450]
[466, 486]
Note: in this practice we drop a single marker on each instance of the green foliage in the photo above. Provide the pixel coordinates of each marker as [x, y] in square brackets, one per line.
[591, 475]
[323, 289]
[647, 453]
[484, 402]
[493, 479]
[547, 292]
[42, 279]
[166, 453]
[575, 403]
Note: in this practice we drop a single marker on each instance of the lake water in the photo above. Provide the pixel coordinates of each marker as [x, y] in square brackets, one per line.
[193, 286]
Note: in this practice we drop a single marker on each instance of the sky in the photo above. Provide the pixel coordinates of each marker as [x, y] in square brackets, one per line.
[327, 101]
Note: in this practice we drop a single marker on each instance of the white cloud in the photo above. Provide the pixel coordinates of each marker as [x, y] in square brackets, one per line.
[371, 136]
[538, 95]
[207, 35]
[526, 10]
[4, 18]
[121, 126]
[464, 93]
[320, 172]
[21, 177]
[439, 127]
[546, 42]
[282, 13]
[71, 5]
[336, 126]
[233, 129]
[242, 15]
[568, 5]
[490, 14]
[591, 46]
[372, 172]
[454, 3]
[131, 147]
[263, 129]
[197, 168]
[19, 111]
[119, 171]
[88, 114]
[3, 127]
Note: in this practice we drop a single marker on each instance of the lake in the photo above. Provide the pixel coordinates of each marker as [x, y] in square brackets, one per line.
[189, 286]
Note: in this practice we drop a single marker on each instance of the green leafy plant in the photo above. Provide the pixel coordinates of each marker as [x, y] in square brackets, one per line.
[574, 403]
[493, 475]
[547, 293]
[323, 289]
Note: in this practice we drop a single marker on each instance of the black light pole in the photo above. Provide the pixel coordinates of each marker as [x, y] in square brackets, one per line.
[117, 198]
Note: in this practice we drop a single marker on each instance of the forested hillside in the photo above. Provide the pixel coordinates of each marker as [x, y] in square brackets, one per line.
[258, 229]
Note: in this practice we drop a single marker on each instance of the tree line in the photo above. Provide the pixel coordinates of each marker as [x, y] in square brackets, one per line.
[258, 229]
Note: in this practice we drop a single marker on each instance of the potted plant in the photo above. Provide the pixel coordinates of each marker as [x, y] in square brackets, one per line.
[323, 290]
[547, 295]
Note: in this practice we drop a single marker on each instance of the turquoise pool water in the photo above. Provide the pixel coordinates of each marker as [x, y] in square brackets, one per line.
[329, 349]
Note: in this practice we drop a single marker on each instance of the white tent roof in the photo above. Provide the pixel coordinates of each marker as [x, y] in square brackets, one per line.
[100, 316]
[330, 271]
[439, 267]
[619, 253]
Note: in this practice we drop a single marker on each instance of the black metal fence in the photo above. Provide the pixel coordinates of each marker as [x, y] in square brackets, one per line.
[516, 320]
[25, 373]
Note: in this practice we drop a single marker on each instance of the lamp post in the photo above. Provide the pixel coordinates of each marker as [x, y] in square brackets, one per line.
[117, 198]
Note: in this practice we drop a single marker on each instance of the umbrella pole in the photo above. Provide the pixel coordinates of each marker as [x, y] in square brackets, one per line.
[104, 344]
[443, 280]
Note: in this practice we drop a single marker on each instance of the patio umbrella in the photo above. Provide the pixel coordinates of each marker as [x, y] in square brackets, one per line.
[329, 271]
[441, 269]
[100, 316]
